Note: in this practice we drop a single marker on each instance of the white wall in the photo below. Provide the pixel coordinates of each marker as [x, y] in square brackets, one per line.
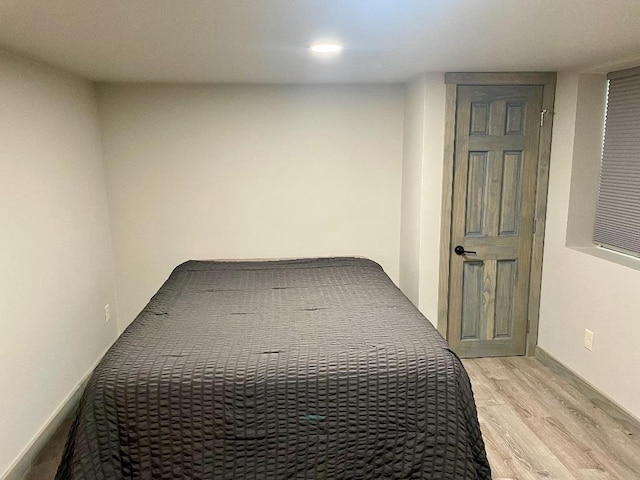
[214, 172]
[412, 158]
[422, 191]
[435, 103]
[55, 258]
[580, 290]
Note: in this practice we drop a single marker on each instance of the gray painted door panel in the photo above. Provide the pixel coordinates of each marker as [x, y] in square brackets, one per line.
[494, 190]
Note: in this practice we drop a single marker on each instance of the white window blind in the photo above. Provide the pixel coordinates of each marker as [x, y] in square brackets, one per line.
[617, 223]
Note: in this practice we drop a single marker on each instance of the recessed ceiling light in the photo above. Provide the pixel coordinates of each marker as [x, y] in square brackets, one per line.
[326, 47]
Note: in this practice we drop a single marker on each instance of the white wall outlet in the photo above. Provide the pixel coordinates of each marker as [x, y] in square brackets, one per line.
[107, 313]
[588, 339]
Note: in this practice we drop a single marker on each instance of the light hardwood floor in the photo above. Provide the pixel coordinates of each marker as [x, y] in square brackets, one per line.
[538, 426]
[535, 426]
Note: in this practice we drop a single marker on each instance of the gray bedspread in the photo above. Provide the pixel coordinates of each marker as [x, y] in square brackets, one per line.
[301, 369]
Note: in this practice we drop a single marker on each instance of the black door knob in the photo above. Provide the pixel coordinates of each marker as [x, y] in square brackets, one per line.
[459, 250]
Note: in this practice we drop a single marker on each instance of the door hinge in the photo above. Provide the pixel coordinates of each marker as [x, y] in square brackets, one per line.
[542, 114]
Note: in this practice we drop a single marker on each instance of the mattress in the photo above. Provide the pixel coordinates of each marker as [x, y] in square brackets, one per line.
[298, 369]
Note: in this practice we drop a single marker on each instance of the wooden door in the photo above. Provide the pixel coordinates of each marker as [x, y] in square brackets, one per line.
[494, 197]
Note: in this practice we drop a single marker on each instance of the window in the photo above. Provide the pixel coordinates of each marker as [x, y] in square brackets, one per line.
[617, 221]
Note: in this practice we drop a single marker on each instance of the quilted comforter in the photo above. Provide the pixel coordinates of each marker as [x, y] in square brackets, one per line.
[298, 369]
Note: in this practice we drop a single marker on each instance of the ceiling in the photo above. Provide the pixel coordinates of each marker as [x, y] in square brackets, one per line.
[266, 41]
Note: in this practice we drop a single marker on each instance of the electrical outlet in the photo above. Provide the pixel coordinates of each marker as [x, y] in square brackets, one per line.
[107, 313]
[588, 339]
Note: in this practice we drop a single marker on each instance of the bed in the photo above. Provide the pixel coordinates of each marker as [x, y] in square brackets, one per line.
[293, 369]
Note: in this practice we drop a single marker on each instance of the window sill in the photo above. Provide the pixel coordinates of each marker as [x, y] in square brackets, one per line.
[610, 256]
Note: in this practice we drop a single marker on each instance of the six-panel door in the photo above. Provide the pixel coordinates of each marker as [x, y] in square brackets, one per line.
[496, 156]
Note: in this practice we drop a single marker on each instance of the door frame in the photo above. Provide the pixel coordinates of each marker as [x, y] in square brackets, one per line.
[452, 80]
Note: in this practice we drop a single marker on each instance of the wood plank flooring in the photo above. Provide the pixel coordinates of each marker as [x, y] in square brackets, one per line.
[535, 425]
[538, 426]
